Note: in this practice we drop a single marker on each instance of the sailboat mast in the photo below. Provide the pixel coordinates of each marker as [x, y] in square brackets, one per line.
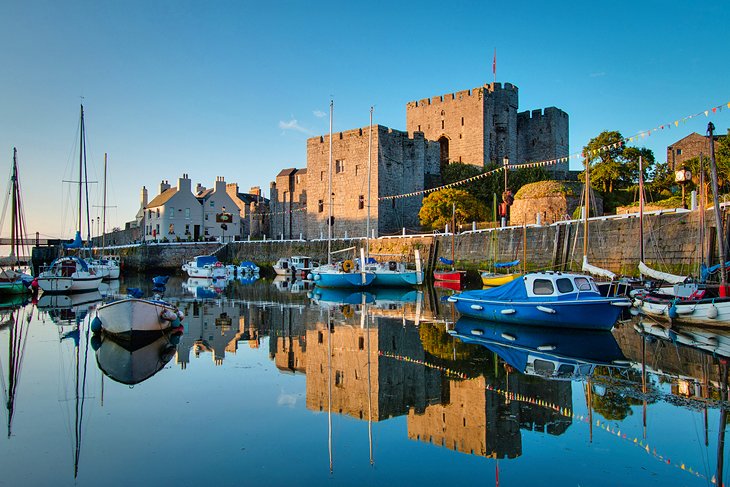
[15, 223]
[86, 186]
[329, 191]
[585, 210]
[718, 216]
[641, 210]
[103, 208]
[370, 155]
[81, 163]
[453, 236]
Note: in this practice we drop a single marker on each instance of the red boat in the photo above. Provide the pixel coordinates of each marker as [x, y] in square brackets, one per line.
[449, 275]
[453, 285]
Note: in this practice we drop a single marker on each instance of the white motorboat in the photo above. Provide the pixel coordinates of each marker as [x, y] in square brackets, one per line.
[296, 265]
[205, 266]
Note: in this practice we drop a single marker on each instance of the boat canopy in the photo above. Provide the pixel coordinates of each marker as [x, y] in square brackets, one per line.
[706, 271]
[501, 265]
[662, 276]
[446, 261]
[76, 244]
[203, 260]
[79, 261]
[513, 290]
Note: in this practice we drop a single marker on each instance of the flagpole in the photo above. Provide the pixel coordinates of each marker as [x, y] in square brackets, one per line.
[494, 65]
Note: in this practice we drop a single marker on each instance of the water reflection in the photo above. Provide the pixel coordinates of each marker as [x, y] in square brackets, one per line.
[133, 361]
[16, 323]
[390, 371]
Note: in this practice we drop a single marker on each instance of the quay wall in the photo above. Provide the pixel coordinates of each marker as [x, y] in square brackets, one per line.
[670, 243]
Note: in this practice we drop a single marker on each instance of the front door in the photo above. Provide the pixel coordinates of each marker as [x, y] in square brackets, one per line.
[196, 232]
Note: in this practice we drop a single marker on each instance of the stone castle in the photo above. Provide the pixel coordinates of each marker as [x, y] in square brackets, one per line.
[478, 127]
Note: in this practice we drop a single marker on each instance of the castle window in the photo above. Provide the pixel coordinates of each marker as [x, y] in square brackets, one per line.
[357, 169]
[419, 128]
[442, 124]
[443, 113]
[320, 206]
[361, 202]
[360, 343]
[320, 337]
[339, 166]
[462, 121]
[392, 203]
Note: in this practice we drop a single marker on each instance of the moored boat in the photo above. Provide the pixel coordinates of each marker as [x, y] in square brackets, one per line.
[703, 306]
[205, 266]
[68, 275]
[296, 265]
[494, 278]
[346, 274]
[131, 316]
[563, 300]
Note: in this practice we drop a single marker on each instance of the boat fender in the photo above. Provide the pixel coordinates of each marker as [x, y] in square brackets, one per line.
[180, 315]
[452, 299]
[546, 348]
[672, 310]
[316, 277]
[545, 309]
[310, 276]
[509, 311]
[347, 265]
[95, 342]
[476, 307]
[168, 315]
[509, 337]
[34, 284]
[477, 332]
[95, 325]
[712, 311]
[168, 352]
[634, 311]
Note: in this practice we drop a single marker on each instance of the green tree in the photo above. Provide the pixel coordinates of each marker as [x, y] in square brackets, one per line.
[615, 166]
[437, 208]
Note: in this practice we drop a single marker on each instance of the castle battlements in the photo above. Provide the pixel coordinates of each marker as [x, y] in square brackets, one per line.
[490, 88]
[364, 132]
[548, 112]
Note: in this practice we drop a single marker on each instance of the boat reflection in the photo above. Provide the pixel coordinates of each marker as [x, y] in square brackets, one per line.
[16, 323]
[202, 288]
[68, 309]
[131, 362]
[293, 285]
[551, 353]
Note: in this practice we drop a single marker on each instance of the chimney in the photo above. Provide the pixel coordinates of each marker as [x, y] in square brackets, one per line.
[199, 188]
[220, 185]
[143, 197]
[256, 191]
[183, 184]
[164, 185]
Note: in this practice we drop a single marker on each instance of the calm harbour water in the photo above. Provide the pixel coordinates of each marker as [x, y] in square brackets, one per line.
[259, 390]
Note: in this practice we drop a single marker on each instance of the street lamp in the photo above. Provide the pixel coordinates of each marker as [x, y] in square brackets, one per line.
[682, 177]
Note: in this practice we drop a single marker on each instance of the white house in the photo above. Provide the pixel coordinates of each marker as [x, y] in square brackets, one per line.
[175, 214]
[216, 202]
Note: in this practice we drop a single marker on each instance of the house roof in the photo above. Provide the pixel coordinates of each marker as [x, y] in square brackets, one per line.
[249, 198]
[204, 194]
[287, 172]
[162, 198]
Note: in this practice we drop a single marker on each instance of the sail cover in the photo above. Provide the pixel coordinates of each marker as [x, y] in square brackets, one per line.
[662, 276]
[596, 271]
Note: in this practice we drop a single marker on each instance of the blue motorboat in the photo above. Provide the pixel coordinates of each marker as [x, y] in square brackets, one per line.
[563, 300]
[347, 274]
[549, 352]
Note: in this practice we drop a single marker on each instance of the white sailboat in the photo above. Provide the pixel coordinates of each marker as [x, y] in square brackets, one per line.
[12, 279]
[71, 273]
[108, 265]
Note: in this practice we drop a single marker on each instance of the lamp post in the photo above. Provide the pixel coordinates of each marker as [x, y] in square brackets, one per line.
[682, 177]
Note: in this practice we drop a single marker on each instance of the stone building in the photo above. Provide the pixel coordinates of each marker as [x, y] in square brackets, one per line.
[288, 201]
[399, 164]
[552, 201]
[173, 214]
[482, 126]
[253, 210]
[688, 148]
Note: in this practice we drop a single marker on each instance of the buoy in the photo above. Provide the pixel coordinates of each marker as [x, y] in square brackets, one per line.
[96, 325]
[95, 342]
[672, 310]
[634, 311]
[712, 311]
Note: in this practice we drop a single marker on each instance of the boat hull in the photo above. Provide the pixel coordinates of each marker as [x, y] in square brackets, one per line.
[456, 276]
[589, 314]
[344, 279]
[710, 311]
[11, 288]
[489, 279]
[131, 315]
[58, 284]
[397, 279]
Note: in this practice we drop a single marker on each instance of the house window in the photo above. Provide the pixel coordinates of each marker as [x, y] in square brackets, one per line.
[149, 213]
[679, 152]
[157, 229]
[339, 166]
[206, 216]
[320, 206]
[171, 230]
[361, 202]
[187, 229]
[172, 212]
[187, 213]
[212, 204]
[158, 213]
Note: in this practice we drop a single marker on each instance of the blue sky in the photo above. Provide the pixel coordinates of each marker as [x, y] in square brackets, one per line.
[234, 88]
